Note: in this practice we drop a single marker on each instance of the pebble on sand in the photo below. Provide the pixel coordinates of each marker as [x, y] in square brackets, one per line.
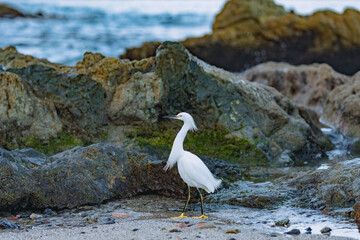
[121, 215]
[35, 216]
[205, 225]
[6, 224]
[325, 230]
[293, 232]
[235, 231]
[283, 223]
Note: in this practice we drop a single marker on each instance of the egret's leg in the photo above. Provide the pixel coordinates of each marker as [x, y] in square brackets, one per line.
[202, 206]
[182, 214]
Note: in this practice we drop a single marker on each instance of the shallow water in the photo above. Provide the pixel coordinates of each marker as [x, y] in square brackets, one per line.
[299, 218]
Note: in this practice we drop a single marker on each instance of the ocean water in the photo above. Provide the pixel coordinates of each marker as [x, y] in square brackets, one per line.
[69, 28]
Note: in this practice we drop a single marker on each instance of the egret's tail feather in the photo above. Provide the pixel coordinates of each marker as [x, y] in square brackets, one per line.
[217, 183]
[168, 166]
[211, 187]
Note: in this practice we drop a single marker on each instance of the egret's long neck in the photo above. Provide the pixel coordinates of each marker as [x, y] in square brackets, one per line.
[178, 142]
[177, 148]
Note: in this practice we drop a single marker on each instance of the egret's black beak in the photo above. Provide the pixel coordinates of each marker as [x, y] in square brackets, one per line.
[172, 116]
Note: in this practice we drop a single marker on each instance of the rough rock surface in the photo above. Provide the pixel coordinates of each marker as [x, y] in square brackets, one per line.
[87, 175]
[342, 107]
[249, 32]
[308, 85]
[338, 186]
[7, 12]
[103, 91]
[22, 113]
[11, 58]
[247, 109]
[254, 195]
[83, 175]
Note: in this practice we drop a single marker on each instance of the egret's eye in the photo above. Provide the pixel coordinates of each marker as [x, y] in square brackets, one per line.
[179, 115]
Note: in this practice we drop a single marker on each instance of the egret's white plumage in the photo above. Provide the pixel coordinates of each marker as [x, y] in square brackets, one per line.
[191, 169]
[195, 173]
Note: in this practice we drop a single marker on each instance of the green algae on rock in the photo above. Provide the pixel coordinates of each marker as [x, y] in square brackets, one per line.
[214, 143]
[100, 92]
[218, 98]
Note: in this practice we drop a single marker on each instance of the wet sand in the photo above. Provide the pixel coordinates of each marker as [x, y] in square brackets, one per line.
[154, 229]
[149, 217]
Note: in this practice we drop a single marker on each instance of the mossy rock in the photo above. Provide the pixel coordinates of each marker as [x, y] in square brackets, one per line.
[208, 142]
[62, 142]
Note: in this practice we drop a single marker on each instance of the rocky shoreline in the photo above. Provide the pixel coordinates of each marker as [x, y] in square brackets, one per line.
[77, 143]
[247, 33]
[265, 128]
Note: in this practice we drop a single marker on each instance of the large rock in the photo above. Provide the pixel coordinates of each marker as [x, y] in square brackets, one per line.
[254, 195]
[11, 58]
[338, 186]
[333, 96]
[342, 107]
[249, 32]
[101, 91]
[217, 97]
[8, 12]
[80, 176]
[307, 85]
[22, 113]
[87, 175]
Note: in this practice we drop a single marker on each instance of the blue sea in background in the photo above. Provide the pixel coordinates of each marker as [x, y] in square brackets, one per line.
[69, 28]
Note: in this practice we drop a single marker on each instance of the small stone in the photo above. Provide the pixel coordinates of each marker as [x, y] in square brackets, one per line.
[182, 225]
[235, 231]
[91, 220]
[283, 223]
[273, 235]
[174, 230]
[325, 230]
[293, 232]
[34, 216]
[6, 224]
[206, 225]
[308, 229]
[120, 215]
[82, 232]
[49, 212]
[135, 229]
[107, 220]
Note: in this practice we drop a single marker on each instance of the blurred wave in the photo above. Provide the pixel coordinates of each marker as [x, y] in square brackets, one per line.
[68, 28]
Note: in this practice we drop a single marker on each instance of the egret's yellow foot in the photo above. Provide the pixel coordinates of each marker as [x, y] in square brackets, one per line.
[181, 216]
[201, 217]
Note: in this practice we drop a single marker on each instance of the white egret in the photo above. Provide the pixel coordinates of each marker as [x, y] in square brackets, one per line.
[190, 167]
